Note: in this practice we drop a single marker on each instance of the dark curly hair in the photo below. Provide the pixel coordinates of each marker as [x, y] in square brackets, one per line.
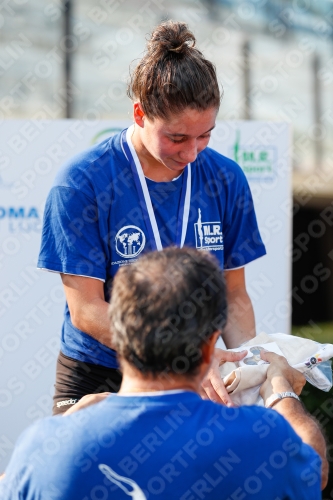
[164, 307]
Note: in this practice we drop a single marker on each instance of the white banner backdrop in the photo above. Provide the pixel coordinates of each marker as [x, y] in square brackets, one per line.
[32, 301]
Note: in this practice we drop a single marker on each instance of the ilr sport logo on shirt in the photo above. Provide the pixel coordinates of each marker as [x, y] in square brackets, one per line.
[208, 235]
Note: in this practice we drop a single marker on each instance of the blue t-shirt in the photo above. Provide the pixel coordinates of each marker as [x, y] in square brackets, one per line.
[93, 223]
[170, 446]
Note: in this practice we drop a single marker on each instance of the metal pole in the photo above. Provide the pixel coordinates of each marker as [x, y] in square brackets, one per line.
[68, 56]
[318, 143]
[247, 78]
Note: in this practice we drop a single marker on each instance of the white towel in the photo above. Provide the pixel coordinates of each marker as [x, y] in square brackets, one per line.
[309, 357]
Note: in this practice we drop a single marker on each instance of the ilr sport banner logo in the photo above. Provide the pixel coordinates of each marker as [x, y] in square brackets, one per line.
[257, 162]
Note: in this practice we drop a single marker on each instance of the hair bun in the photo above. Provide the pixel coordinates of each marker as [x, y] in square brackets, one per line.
[173, 74]
[171, 36]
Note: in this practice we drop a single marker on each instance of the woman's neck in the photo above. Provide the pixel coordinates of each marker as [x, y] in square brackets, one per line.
[152, 168]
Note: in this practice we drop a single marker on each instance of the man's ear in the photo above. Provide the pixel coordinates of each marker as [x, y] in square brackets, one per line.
[138, 114]
[208, 347]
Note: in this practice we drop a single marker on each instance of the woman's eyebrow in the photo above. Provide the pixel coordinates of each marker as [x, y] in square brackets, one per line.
[185, 135]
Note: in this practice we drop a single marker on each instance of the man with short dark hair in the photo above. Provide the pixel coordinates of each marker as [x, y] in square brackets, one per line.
[157, 438]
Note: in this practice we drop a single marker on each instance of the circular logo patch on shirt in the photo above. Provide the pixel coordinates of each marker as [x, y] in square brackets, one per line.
[130, 241]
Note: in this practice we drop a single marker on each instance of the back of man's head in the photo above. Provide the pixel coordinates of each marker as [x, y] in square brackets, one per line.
[164, 307]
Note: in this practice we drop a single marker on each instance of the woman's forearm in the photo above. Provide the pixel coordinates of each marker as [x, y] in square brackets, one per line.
[241, 323]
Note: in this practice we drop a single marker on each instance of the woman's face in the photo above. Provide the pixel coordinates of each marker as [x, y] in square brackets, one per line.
[177, 141]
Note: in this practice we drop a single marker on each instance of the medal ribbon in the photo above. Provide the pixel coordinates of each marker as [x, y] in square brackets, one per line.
[145, 200]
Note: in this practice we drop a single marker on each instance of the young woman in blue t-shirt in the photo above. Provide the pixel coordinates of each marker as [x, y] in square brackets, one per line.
[169, 178]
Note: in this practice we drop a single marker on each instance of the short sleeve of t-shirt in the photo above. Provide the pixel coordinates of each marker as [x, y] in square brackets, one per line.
[274, 453]
[71, 238]
[304, 468]
[242, 240]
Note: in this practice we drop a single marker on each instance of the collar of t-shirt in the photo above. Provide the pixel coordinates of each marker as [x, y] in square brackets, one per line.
[154, 393]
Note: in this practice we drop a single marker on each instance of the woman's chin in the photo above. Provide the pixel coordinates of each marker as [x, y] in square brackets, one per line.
[176, 165]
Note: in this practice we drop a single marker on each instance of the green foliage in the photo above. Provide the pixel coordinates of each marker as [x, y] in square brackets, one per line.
[322, 332]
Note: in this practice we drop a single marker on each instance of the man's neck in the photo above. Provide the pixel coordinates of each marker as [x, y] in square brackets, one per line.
[134, 382]
[152, 168]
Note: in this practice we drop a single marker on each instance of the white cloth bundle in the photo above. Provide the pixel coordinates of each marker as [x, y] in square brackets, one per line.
[309, 357]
